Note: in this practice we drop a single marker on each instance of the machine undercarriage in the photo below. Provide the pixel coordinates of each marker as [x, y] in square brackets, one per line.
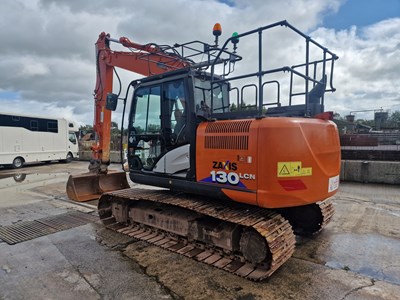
[248, 241]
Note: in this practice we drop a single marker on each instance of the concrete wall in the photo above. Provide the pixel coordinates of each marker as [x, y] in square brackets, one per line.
[352, 170]
[370, 171]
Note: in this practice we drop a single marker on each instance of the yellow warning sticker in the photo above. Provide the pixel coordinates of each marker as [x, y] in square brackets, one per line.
[293, 169]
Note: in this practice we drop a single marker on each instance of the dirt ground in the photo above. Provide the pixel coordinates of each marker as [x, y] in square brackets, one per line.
[355, 257]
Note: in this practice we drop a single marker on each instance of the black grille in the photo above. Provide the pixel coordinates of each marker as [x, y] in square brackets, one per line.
[25, 231]
[229, 127]
[227, 142]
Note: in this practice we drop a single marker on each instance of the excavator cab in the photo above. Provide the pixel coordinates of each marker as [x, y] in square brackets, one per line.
[164, 117]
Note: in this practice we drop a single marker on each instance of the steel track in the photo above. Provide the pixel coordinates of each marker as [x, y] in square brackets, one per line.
[272, 226]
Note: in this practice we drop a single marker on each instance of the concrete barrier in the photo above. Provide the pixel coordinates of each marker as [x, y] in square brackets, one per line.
[351, 170]
[370, 171]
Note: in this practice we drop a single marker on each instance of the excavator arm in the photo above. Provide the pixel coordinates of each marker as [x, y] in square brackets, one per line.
[146, 60]
[142, 59]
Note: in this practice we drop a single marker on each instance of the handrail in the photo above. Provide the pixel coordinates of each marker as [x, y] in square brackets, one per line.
[326, 64]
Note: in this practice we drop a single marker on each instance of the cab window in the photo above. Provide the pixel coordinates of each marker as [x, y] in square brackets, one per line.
[72, 138]
[147, 113]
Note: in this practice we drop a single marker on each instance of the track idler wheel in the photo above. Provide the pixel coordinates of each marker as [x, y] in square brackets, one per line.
[254, 247]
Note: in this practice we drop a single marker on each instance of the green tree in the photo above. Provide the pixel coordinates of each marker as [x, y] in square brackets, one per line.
[85, 127]
[337, 116]
[114, 129]
[395, 116]
[370, 123]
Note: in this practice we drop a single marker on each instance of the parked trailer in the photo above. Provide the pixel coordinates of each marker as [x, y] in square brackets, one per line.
[27, 139]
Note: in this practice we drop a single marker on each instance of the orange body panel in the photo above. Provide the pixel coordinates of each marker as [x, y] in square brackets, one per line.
[270, 162]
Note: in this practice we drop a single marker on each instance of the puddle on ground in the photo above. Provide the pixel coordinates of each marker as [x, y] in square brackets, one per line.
[15, 179]
[371, 255]
[19, 177]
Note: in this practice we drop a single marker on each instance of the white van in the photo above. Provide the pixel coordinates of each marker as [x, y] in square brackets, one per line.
[26, 139]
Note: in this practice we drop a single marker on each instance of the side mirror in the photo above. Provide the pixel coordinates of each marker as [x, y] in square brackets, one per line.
[111, 101]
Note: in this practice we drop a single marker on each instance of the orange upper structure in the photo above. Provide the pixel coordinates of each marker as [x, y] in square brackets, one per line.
[270, 162]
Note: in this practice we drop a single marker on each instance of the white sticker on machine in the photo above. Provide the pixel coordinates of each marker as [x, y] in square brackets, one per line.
[333, 184]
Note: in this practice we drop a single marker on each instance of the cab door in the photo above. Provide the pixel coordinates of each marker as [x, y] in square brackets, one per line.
[158, 123]
[145, 135]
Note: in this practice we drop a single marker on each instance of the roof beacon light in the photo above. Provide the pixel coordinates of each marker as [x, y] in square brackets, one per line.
[217, 31]
[235, 41]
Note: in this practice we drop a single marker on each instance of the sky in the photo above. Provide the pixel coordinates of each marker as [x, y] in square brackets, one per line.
[47, 64]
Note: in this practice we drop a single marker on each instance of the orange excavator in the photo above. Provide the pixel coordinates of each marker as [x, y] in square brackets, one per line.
[240, 156]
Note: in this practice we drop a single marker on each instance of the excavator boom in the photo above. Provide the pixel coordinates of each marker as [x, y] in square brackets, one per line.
[143, 59]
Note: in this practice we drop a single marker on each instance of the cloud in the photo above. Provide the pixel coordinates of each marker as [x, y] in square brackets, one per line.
[48, 55]
[367, 73]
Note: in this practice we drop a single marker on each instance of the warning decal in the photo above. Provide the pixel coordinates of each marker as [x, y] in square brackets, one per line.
[292, 169]
[333, 184]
